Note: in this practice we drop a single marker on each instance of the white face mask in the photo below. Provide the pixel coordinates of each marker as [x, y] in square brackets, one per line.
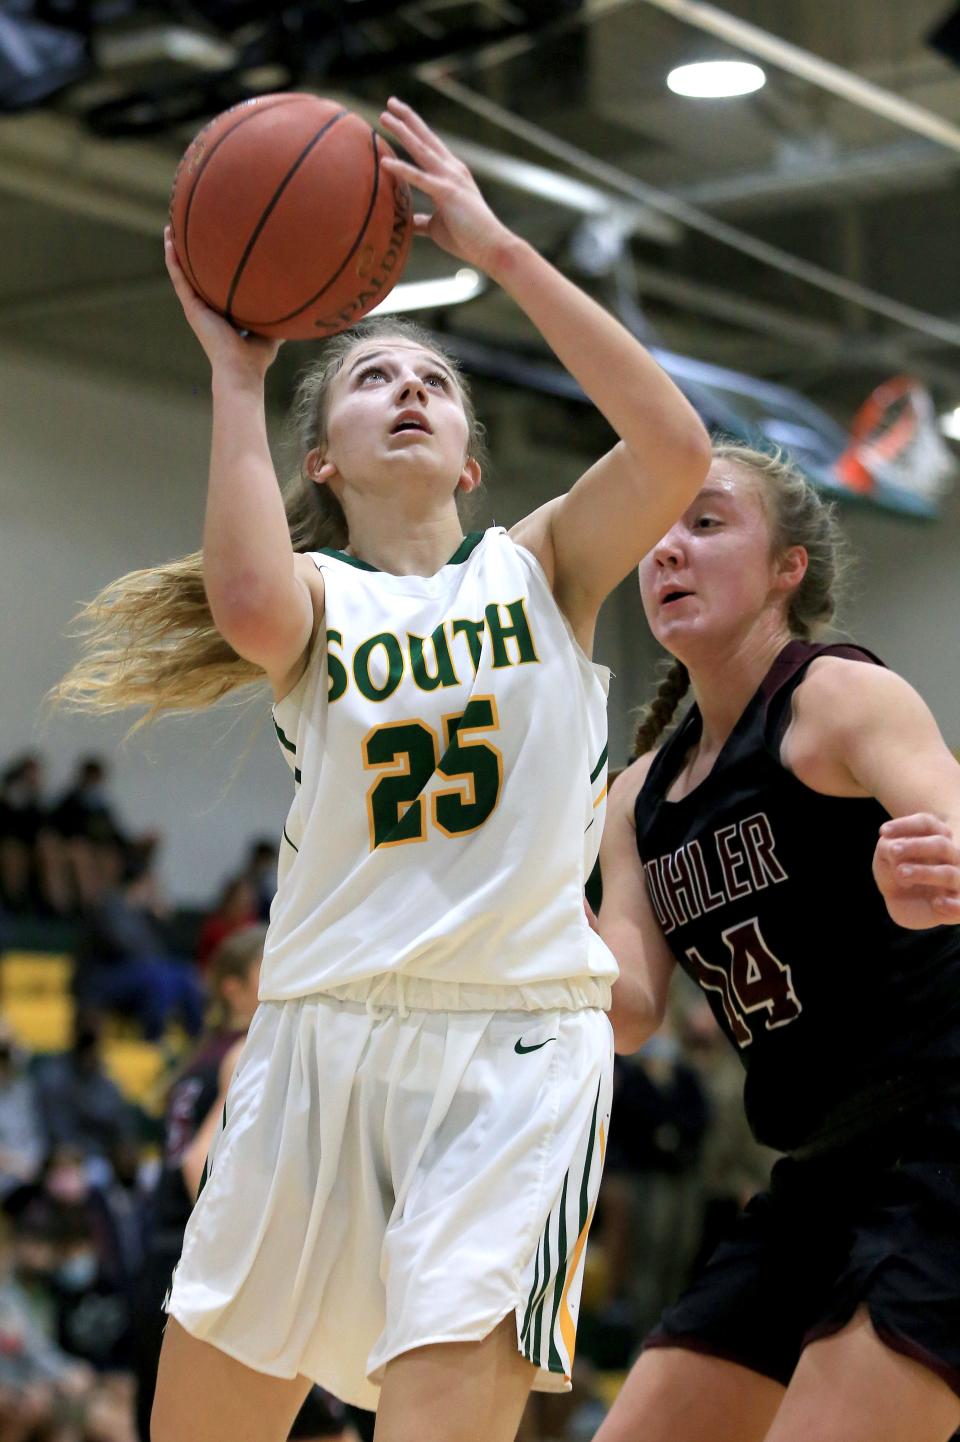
[77, 1273]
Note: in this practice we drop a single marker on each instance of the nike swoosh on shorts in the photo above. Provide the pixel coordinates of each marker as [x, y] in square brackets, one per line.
[520, 1049]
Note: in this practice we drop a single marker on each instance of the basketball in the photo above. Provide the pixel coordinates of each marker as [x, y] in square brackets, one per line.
[284, 219]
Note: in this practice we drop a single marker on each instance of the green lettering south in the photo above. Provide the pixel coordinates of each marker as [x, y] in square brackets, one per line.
[518, 632]
[336, 670]
[361, 666]
[443, 673]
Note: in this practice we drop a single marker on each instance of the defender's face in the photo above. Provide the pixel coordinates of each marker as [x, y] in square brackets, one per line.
[710, 577]
[396, 417]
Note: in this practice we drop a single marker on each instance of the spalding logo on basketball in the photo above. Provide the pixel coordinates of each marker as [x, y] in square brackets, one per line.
[284, 219]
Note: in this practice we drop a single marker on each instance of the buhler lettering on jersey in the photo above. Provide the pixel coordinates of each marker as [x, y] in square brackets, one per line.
[690, 882]
[449, 654]
[750, 982]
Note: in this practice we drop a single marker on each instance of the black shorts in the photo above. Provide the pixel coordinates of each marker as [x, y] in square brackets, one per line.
[874, 1224]
[320, 1416]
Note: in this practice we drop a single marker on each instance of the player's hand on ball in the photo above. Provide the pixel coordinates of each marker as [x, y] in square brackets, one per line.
[916, 866]
[225, 347]
[462, 222]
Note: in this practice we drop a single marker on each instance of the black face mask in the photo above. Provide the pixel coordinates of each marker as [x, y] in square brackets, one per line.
[31, 1274]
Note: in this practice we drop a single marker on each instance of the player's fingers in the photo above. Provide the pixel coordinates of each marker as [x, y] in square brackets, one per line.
[948, 906]
[919, 823]
[421, 179]
[924, 849]
[399, 111]
[430, 153]
[170, 257]
[941, 878]
[412, 143]
[185, 292]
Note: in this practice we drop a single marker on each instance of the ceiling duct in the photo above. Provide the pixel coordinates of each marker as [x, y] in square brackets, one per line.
[39, 59]
[945, 37]
[314, 43]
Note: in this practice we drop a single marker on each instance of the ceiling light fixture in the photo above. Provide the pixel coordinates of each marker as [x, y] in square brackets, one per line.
[716, 79]
[426, 294]
[950, 423]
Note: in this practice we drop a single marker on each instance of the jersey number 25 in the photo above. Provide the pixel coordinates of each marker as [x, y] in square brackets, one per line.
[408, 753]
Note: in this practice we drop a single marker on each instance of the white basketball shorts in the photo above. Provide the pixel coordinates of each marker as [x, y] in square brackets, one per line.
[388, 1179]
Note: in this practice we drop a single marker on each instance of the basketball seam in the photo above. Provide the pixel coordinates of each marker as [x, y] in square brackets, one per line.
[255, 110]
[279, 320]
[269, 209]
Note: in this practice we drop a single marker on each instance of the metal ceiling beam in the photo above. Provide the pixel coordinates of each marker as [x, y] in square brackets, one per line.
[48, 158]
[820, 339]
[818, 276]
[117, 49]
[563, 190]
[905, 165]
[822, 73]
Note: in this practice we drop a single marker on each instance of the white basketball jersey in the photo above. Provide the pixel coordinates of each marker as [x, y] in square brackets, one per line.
[449, 749]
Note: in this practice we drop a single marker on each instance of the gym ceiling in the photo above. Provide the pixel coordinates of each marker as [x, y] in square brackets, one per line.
[806, 233]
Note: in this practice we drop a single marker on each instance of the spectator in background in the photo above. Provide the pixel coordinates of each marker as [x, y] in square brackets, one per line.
[652, 1198]
[734, 1165]
[79, 1212]
[123, 1199]
[262, 871]
[235, 910]
[32, 873]
[91, 1280]
[43, 1391]
[22, 1136]
[63, 1398]
[124, 963]
[79, 1103]
[21, 816]
[90, 832]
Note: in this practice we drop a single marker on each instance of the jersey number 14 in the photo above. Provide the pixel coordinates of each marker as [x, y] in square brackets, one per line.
[753, 982]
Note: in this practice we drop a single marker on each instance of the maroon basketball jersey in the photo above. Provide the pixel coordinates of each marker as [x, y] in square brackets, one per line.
[765, 894]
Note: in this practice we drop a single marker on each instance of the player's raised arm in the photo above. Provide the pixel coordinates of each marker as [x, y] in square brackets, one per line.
[591, 538]
[876, 737]
[627, 923]
[263, 598]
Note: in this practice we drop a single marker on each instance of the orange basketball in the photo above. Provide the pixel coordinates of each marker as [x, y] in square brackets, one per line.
[284, 219]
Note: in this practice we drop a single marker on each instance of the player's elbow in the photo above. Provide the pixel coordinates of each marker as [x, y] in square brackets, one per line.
[634, 1017]
[257, 619]
[630, 1034]
[688, 452]
[676, 459]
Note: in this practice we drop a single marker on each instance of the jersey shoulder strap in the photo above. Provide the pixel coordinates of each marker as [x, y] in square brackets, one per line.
[786, 673]
[666, 764]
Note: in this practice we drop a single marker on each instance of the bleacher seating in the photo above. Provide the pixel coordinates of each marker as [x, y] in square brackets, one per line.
[37, 1000]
